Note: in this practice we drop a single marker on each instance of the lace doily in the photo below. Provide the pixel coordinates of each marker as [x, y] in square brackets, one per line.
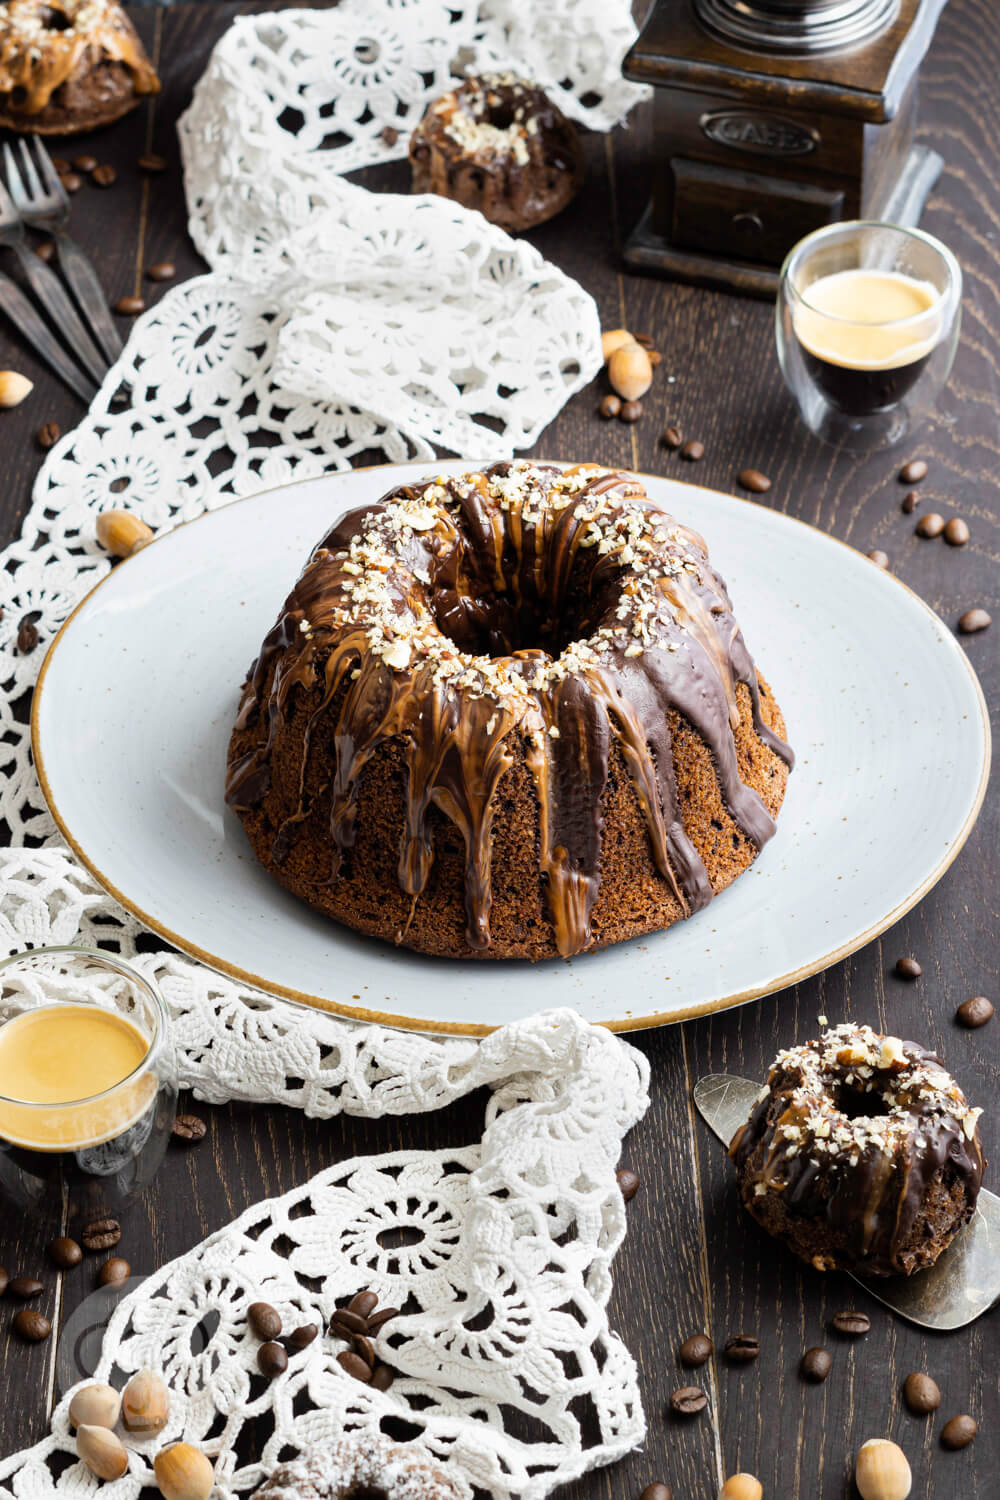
[498, 1255]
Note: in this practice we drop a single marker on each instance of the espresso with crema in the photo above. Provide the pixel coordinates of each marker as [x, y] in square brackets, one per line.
[867, 335]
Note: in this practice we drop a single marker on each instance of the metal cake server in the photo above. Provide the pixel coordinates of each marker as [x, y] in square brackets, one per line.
[963, 1284]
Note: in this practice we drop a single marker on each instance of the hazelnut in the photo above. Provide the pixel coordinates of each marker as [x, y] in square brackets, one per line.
[145, 1404]
[183, 1473]
[616, 338]
[741, 1487]
[14, 387]
[122, 533]
[630, 371]
[882, 1472]
[95, 1406]
[892, 1054]
[103, 1453]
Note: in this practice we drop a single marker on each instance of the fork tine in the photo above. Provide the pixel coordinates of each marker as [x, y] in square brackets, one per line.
[14, 182]
[35, 190]
[48, 170]
[7, 209]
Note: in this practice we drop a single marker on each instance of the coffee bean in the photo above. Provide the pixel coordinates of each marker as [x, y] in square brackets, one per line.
[85, 163]
[672, 438]
[130, 307]
[24, 1287]
[163, 270]
[347, 1324]
[610, 407]
[27, 635]
[753, 479]
[189, 1128]
[363, 1303]
[959, 1432]
[880, 559]
[628, 1183]
[693, 451]
[264, 1320]
[696, 1350]
[921, 1394]
[272, 1359]
[657, 1492]
[817, 1364]
[60, 164]
[114, 1272]
[4, 1281]
[852, 1324]
[389, 135]
[382, 1378]
[974, 620]
[48, 435]
[382, 1316]
[908, 968]
[742, 1348]
[975, 1012]
[956, 532]
[913, 472]
[930, 525]
[355, 1365]
[631, 412]
[688, 1401]
[71, 181]
[152, 163]
[301, 1338]
[104, 176]
[65, 1253]
[31, 1326]
[910, 503]
[364, 1347]
[102, 1234]
[46, 250]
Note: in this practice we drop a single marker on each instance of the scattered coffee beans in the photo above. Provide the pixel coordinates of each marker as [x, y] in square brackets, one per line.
[48, 435]
[959, 1432]
[4, 1281]
[975, 1012]
[382, 1378]
[301, 1338]
[696, 1350]
[389, 135]
[610, 406]
[65, 1253]
[46, 250]
[31, 1326]
[817, 1364]
[921, 1394]
[27, 635]
[930, 525]
[913, 472]
[657, 1492]
[71, 181]
[974, 620]
[363, 1304]
[347, 1324]
[85, 163]
[61, 164]
[102, 1234]
[189, 1128]
[355, 1365]
[365, 1348]
[130, 307]
[742, 1348]
[693, 450]
[908, 968]
[272, 1359]
[879, 558]
[956, 532]
[852, 1324]
[688, 1401]
[628, 1183]
[753, 480]
[672, 438]
[24, 1287]
[152, 163]
[104, 176]
[114, 1272]
[910, 503]
[377, 1319]
[162, 270]
[264, 1320]
[631, 412]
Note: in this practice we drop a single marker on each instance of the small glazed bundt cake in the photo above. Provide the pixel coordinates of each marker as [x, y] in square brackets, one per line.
[498, 144]
[362, 1468]
[67, 66]
[861, 1154]
[507, 715]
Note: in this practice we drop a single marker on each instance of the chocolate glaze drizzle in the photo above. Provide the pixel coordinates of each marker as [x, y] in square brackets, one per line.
[42, 42]
[524, 607]
[864, 1172]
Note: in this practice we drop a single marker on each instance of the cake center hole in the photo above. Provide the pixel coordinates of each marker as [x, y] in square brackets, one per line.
[856, 1104]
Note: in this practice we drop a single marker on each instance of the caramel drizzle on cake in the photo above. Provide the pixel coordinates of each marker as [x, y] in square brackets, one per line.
[43, 41]
[407, 619]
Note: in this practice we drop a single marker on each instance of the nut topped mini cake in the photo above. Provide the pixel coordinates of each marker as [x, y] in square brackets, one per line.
[498, 144]
[861, 1154]
[67, 66]
[357, 1465]
[508, 714]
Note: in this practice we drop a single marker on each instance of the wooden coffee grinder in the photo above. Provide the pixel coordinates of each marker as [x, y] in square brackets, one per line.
[772, 118]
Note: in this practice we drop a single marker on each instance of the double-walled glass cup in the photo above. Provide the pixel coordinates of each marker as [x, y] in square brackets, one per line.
[88, 1082]
[867, 325]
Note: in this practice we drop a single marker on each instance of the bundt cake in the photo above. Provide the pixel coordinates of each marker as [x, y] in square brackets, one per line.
[359, 1467]
[498, 144]
[67, 66]
[861, 1154]
[508, 715]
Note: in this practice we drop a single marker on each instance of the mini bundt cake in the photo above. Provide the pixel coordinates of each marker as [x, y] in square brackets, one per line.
[861, 1154]
[507, 715]
[498, 144]
[357, 1466]
[67, 66]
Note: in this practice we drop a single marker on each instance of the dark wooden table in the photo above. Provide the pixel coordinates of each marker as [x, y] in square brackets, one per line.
[692, 1260]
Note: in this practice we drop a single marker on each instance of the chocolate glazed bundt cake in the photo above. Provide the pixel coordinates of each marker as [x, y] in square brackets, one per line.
[508, 715]
[861, 1154]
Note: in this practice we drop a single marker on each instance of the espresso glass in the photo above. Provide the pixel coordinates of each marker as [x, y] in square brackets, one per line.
[88, 1155]
[862, 383]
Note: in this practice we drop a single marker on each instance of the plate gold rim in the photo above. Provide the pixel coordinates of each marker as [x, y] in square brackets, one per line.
[460, 1028]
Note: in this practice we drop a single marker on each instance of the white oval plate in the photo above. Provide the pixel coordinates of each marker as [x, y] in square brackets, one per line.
[136, 700]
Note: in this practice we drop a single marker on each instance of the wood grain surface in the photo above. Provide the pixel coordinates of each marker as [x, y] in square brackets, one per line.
[692, 1260]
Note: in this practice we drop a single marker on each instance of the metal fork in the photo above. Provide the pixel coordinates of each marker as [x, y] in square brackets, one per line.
[49, 289]
[44, 204]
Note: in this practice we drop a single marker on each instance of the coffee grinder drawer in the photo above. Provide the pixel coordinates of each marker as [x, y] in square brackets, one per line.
[745, 215]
